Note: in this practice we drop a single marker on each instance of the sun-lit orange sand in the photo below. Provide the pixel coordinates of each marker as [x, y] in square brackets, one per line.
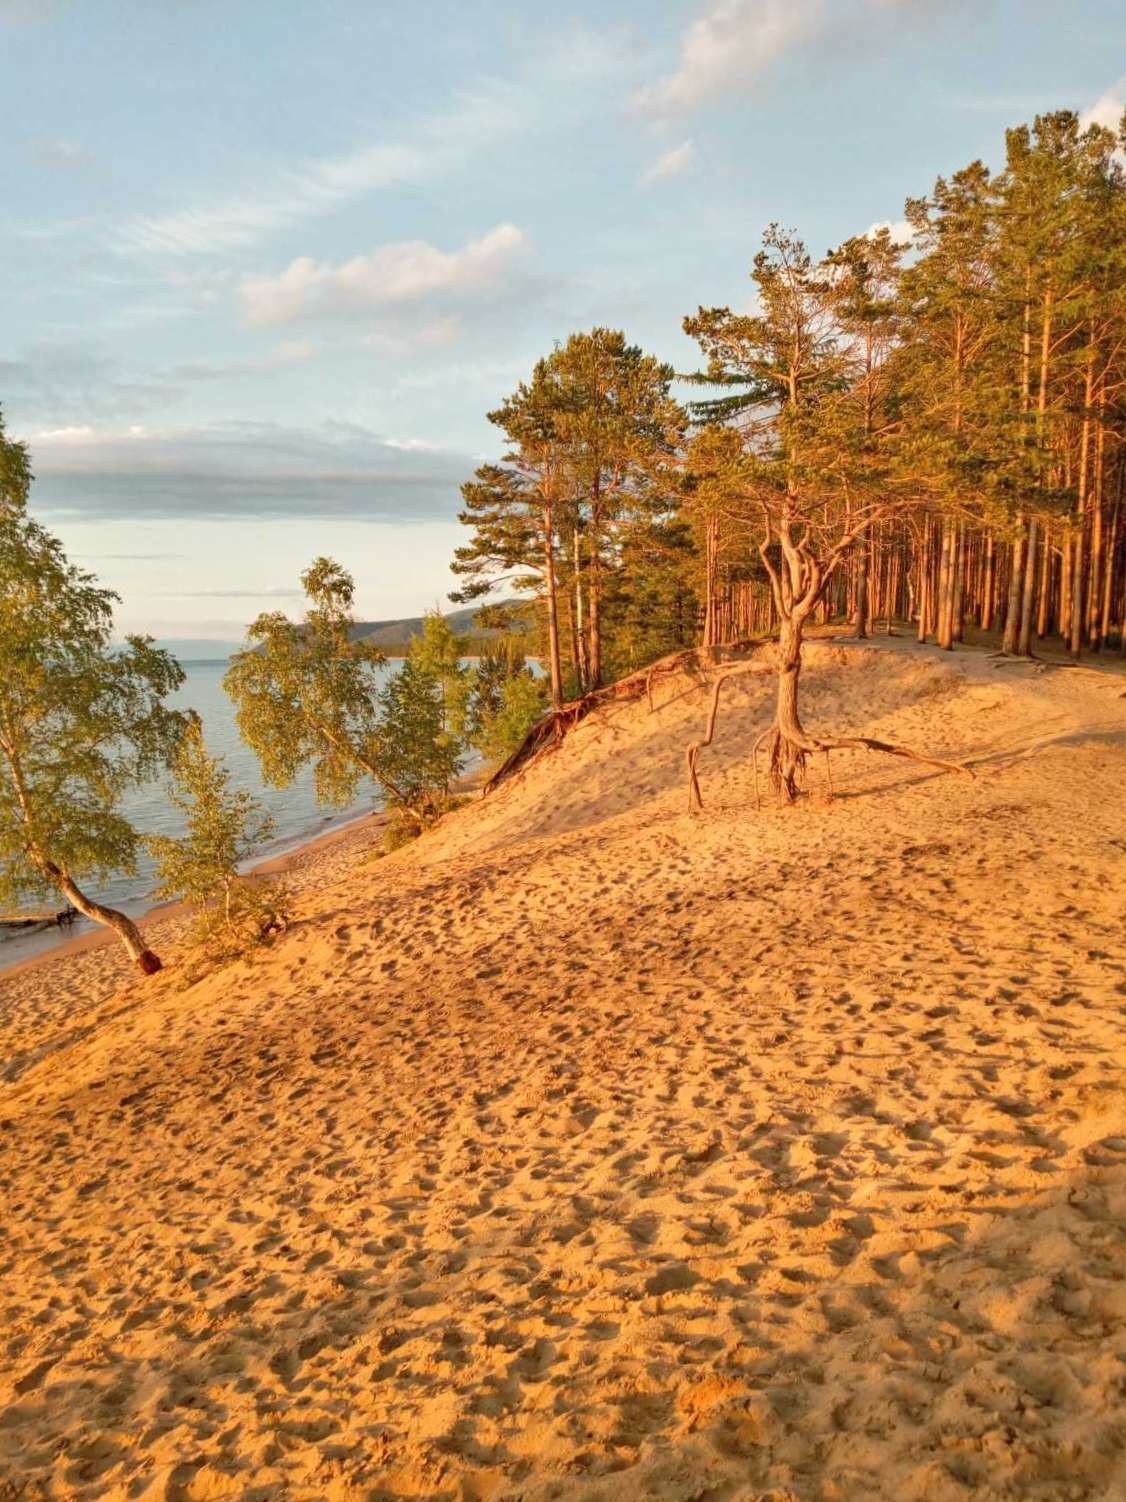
[589, 1149]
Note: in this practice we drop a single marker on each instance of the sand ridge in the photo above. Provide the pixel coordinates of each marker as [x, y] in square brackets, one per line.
[591, 1150]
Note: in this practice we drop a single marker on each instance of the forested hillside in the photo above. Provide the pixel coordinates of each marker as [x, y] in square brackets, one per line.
[399, 633]
[932, 431]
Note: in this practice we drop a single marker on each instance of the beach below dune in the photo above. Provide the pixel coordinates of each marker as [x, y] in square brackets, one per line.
[589, 1149]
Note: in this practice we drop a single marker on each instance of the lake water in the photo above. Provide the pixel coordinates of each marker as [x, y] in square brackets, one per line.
[297, 814]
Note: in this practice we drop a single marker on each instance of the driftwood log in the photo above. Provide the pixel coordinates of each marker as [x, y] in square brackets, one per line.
[37, 922]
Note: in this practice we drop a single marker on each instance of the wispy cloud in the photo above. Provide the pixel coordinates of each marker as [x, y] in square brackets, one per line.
[565, 77]
[393, 274]
[284, 198]
[733, 43]
[55, 152]
[671, 164]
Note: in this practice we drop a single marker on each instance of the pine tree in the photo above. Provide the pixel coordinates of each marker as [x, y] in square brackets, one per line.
[507, 701]
[418, 758]
[589, 436]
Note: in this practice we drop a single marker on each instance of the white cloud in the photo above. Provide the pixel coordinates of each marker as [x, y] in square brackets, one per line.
[902, 233]
[672, 164]
[726, 50]
[394, 274]
[1108, 109]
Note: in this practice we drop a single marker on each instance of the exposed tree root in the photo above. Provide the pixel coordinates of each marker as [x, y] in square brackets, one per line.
[789, 753]
[865, 743]
[548, 734]
[693, 750]
[788, 757]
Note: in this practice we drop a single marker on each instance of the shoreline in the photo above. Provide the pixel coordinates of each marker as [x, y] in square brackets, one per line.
[269, 865]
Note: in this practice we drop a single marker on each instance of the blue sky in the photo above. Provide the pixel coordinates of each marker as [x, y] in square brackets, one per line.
[267, 267]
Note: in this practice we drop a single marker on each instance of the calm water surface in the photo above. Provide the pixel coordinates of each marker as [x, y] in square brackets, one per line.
[297, 814]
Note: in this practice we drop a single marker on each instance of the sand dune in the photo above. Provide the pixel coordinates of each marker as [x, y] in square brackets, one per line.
[592, 1150]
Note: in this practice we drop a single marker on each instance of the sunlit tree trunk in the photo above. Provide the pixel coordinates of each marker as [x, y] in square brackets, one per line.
[109, 917]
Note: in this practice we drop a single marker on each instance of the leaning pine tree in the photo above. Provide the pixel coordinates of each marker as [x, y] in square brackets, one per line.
[81, 723]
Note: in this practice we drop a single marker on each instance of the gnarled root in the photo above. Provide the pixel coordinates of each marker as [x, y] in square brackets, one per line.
[788, 757]
[787, 763]
[865, 743]
[693, 750]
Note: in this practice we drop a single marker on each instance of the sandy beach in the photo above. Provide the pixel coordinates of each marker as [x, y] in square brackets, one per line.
[589, 1149]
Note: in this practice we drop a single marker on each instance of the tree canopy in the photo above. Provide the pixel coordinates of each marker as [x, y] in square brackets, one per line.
[81, 723]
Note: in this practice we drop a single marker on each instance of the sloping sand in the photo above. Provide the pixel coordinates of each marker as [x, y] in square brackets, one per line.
[592, 1150]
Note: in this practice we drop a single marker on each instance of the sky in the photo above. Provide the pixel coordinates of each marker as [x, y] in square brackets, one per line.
[267, 268]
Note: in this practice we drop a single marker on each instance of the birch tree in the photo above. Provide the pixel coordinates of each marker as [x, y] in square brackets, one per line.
[82, 722]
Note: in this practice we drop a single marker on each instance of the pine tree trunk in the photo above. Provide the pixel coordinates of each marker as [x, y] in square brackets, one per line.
[595, 602]
[862, 586]
[1027, 593]
[988, 584]
[554, 669]
[787, 758]
[711, 548]
[1094, 615]
[924, 581]
[1075, 631]
[1112, 545]
[575, 620]
[1012, 608]
[958, 586]
[943, 635]
[1078, 612]
[109, 917]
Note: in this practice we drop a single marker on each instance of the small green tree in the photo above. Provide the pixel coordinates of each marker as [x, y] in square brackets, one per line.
[81, 723]
[508, 699]
[438, 652]
[418, 758]
[223, 827]
[306, 693]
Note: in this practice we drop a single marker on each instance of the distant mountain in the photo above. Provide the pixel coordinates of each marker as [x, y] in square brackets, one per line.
[397, 633]
[381, 633]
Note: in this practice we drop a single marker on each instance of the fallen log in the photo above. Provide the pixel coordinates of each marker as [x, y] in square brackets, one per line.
[38, 922]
